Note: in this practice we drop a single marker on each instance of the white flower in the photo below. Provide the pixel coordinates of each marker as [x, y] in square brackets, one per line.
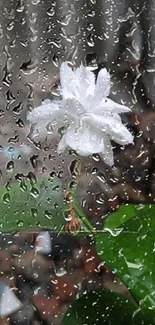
[89, 118]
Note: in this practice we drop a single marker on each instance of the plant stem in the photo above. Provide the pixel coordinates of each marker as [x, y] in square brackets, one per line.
[83, 217]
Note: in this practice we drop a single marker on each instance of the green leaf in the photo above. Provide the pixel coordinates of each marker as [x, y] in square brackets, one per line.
[129, 250]
[103, 307]
[32, 204]
[124, 213]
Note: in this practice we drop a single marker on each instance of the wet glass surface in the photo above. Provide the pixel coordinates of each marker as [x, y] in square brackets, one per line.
[42, 279]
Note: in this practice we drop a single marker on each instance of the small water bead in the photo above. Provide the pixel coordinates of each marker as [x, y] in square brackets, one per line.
[51, 12]
[75, 168]
[34, 213]
[35, 2]
[34, 192]
[20, 223]
[6, 198]
[23, 186]
[48, 215]
[32, 178]
[73, 185]
[10, 166]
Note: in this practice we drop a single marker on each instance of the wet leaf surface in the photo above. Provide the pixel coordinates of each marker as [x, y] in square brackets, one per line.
[124, 213]
[103, 307]
[129, 251]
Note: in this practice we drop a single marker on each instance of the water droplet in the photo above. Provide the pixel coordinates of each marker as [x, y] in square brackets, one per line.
[31, 92]
[24, 43]
[20, 223]
[10, 97]
[56, 188]
[60, 272]
[7, 75]
[10, 166]
[20, 123]
[56, 205]
[75, 168]
[18, 108]
[34, 161]
[34, 192]
[91, 13]
[55, 42]
[73, 185]
[114, 232]
[48, 215]
[90, 27]
[29, 67]
[101, 178]
[91, 59]
[35, 2]
[49, 128]
[51, 12]
[96, 157]
[60, 174]
[14, 139]
[23, 186]
[6, 198]
[10, 26]
[1, 113]
[34, 213]
[55, 60]
[8, 186]
[32, 177]
[20, 6]
[23, 21]
[1, 31]
[66, 216]
[33, 17]
[52, 174]
[90, 40]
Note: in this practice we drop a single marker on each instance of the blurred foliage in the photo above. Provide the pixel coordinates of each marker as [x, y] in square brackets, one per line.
[32, 203]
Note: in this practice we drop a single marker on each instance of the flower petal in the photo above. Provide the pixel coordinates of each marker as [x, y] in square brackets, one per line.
[67, 81]
[47, 119]
[73, 108]
[78, 85]
[86, 81]
[102, 89]
[109, 106]
[84, 140]
[47, 110]
[121, 136]
[110, 125]
[107, 155]
[117, 131]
